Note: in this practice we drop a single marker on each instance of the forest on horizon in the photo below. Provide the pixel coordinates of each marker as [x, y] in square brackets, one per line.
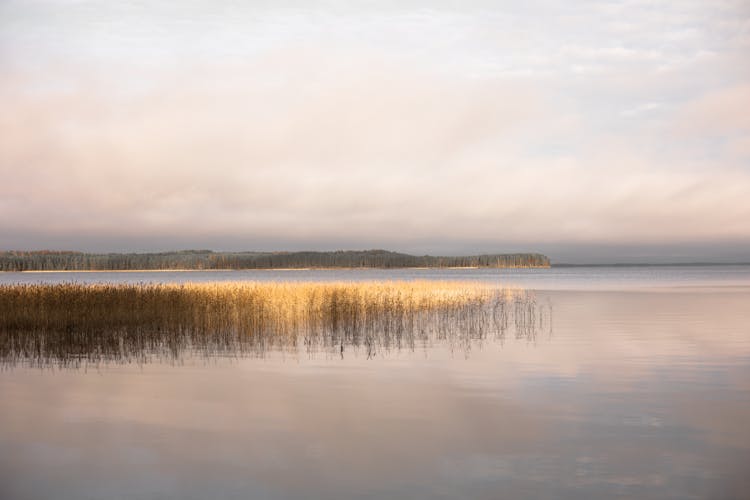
[51, 260]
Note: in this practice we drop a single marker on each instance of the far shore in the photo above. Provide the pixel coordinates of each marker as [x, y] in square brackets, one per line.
[249, 269]
[266, 269]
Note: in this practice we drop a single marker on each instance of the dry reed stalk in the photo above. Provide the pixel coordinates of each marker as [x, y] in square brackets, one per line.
[73, 323]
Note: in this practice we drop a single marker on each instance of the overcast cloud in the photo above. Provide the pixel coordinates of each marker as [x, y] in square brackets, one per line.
[593, 131]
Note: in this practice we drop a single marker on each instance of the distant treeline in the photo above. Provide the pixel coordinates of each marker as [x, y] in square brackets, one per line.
[206, 259]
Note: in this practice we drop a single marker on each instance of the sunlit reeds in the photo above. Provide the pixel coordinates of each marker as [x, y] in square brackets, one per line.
[74, 323]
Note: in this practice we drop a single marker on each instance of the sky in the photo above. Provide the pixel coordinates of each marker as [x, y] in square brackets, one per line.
[592, 131]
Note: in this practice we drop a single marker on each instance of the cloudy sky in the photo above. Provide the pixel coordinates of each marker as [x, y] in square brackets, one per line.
[589, 130]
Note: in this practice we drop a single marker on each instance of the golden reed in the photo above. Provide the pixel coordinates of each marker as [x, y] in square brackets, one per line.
[75, 323]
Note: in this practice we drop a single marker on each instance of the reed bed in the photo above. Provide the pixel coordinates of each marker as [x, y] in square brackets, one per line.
[70, 324]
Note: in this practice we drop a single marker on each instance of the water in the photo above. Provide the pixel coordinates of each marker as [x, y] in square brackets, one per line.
[640, 389]
[556, 278]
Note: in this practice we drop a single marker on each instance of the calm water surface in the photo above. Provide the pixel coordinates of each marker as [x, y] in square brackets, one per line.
[558, 278]
[641, 389]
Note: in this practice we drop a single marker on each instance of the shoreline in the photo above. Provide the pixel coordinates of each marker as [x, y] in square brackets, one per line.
[268, 269]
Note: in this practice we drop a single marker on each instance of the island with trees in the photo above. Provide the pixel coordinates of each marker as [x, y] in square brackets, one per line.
[51, 260]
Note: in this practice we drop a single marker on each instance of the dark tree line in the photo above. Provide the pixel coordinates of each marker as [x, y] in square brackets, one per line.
[206, 259]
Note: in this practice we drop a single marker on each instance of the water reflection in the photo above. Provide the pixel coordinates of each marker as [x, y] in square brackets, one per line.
[72, 325]
[637, 395]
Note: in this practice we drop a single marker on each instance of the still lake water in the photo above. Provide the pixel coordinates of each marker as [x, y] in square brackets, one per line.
[640, 389]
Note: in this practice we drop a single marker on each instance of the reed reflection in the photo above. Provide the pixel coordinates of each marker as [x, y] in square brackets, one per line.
[74, 324]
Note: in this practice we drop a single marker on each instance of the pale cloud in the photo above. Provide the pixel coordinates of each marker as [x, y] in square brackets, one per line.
[641, 109]
[377, 127]
[720, 117]
[721, 112]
